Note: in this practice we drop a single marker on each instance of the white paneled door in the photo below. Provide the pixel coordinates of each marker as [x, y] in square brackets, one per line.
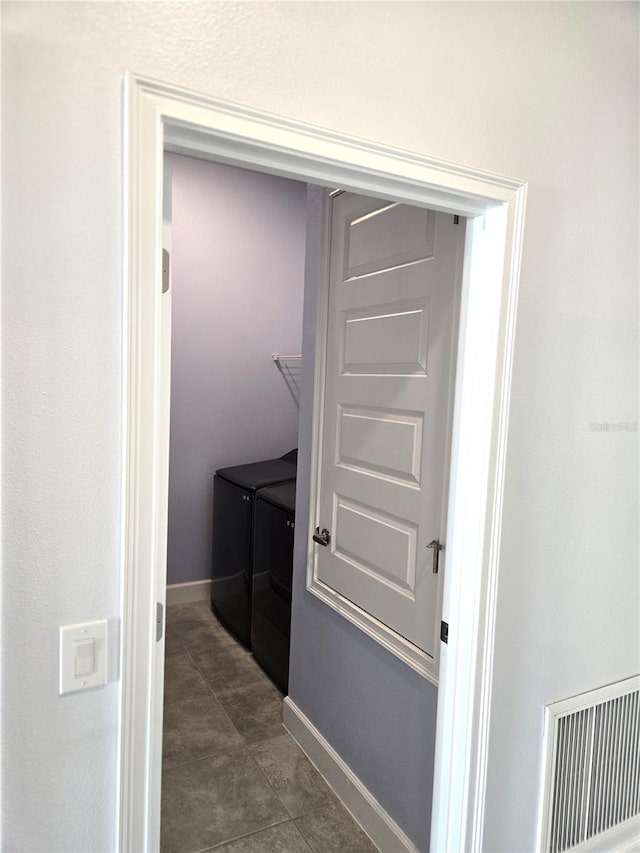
[394, 285]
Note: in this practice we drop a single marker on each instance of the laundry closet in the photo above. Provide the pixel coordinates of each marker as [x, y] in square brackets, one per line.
[367, 623]
[237, 270]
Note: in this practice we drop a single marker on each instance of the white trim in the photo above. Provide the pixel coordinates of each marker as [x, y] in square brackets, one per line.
[183, 593]
[485, 350]
[354, 795]
[159, 115]
[143, 532]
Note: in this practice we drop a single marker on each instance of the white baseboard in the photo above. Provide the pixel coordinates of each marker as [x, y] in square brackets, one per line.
[183, 593]
[367, 811]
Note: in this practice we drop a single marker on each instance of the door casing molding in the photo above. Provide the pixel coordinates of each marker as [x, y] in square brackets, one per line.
[161, 117]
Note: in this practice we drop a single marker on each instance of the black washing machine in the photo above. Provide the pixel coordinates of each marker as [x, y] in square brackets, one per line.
[234, 491]
[272, 574]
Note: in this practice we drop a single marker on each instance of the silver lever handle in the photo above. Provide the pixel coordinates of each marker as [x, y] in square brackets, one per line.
[322, 537]
[437, 547]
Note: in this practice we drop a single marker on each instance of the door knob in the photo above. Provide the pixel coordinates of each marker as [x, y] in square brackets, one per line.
[437, 547]
[322, 537]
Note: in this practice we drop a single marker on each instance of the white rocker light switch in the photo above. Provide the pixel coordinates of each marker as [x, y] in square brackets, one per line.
[83, 656]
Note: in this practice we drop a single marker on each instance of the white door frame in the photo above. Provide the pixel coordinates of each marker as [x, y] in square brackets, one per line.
[160, 116]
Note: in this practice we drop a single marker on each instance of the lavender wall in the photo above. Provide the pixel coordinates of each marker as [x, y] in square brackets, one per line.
[237, 281]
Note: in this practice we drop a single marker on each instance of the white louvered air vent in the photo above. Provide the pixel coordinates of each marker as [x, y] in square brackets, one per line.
[591, 785]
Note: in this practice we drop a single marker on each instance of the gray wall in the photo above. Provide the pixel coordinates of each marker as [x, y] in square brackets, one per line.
[376, 712]
[237, 288]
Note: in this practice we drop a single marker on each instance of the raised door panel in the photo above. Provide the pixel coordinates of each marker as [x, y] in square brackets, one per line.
[379, 237]
[385, 339]
[383, 442]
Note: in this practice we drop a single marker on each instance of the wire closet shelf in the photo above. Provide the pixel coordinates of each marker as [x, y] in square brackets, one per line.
[280, 358]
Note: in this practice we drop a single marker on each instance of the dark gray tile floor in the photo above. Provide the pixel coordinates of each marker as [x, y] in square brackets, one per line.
[233, 779]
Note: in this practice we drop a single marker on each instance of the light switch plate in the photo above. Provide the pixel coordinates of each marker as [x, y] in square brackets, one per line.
[83, 649]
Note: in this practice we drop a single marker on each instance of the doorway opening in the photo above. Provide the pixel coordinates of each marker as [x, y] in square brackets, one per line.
[236, 240]
[161, 116]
